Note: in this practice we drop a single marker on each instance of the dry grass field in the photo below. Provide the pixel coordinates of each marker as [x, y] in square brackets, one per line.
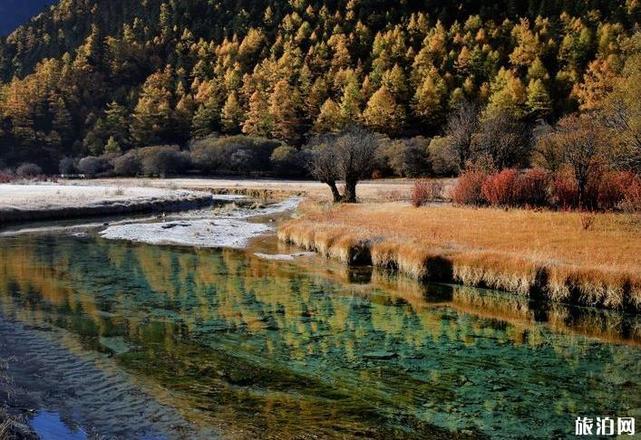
[590, 259]
[368, 190]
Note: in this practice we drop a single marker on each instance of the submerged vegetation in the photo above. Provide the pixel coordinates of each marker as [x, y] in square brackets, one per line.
[242, 344]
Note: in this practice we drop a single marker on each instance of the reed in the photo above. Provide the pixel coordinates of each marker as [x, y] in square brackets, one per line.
[547, 255]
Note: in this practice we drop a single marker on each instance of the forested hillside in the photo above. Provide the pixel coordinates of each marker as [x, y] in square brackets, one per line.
[109, 75]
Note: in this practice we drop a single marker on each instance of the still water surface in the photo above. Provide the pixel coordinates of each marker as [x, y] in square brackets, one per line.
[241, 347]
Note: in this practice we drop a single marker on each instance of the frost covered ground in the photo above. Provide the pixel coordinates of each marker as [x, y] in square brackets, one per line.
[55, 196]
[230, 228]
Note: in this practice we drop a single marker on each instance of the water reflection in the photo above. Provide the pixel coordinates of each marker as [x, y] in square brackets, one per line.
[285, 350]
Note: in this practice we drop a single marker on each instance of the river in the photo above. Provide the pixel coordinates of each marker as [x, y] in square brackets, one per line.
[130, 340]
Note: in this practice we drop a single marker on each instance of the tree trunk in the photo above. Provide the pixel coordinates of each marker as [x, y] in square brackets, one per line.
[350, 191]
[335, 193]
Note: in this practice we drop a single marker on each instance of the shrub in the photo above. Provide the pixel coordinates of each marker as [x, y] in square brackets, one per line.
[127, 165]
[426, 190]
[443, 156]
[632, 196]
[407, 157]
[565, 189]
[235, 154]
[499, 189]
[28, 170]
[92, 166]
[532, 188]
[612, 188]
[467, 190]
[6, 176]
[163, 160]
[288, 161]
[67, 166]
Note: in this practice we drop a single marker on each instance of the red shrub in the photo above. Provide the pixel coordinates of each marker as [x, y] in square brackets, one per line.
[6, 177]
[632, 196]
[425, 191]
[612, 188]
[565, 190]
[532, 187]
[499, 189]
[467, 190]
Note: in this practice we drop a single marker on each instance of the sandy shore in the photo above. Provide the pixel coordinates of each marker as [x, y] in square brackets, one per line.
[20, 203]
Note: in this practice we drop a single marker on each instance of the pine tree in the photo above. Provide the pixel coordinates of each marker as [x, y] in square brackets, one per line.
[259, 121]
[283, 108]
[329, 118]
[153, 115]
[206, 119]
[116, 123]
[508, 95]
[429, 99]
[538, 100]
[61, 118]
[232, 114]
[350, 110]
[113, 147]
[383, 113]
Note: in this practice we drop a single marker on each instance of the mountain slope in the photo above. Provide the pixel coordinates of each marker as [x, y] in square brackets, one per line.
[93, 73]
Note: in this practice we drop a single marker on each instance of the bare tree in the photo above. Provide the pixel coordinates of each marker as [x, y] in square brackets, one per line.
[348, 156]
[546, 154]
[322, 165]
[462, 123]
[624, 119]
[503, 139]
[582, 143]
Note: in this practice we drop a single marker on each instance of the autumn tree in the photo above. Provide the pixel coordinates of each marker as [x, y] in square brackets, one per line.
[232, 114]
[259, 121]
[383, 113]
[153, 116]
[283, 108]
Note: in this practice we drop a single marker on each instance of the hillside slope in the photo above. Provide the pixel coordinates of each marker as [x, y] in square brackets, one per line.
[94, 75]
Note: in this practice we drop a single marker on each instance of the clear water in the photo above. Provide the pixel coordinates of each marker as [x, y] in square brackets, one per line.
[254, 348]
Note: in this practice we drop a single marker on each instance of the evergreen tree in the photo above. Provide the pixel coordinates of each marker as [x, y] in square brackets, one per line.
[283, 109]
[259, 121]
[538, 100]
[153, 115]
[113, 147]
[350, 111]
[383, 114]
[429, 99]
[232, 114]
[329, 118]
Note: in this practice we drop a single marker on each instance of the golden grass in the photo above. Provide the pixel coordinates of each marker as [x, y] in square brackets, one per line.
[548, 254]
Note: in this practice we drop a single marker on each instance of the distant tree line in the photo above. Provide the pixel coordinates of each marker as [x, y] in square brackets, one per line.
[445, 82]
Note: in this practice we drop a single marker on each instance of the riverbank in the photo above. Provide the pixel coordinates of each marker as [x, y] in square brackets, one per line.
[567, 257]
[36, 202]
[272, 189]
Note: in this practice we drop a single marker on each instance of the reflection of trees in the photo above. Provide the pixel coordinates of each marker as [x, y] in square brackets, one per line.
[240, 335]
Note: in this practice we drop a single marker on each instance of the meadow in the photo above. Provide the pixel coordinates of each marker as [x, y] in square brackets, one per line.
[580, 258]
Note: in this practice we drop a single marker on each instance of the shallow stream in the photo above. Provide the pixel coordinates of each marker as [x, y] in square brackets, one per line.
[129, 340]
